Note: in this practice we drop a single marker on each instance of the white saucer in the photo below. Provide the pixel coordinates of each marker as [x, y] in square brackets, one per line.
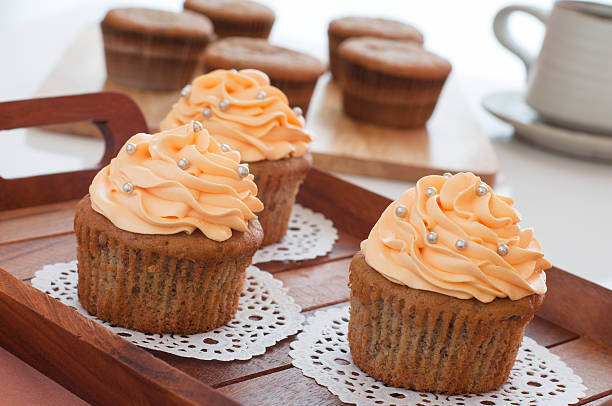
[511, 108]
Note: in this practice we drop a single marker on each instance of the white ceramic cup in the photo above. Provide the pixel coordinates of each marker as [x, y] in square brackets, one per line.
[570, 82]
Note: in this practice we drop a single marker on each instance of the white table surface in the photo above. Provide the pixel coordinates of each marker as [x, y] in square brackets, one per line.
[568, 201]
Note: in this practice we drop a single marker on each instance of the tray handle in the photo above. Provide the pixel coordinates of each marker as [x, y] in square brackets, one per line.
[115, 114]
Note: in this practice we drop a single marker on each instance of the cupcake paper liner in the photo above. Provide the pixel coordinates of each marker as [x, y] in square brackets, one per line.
[150, 62]
[278, 183]
[384, 99]
[254, 29]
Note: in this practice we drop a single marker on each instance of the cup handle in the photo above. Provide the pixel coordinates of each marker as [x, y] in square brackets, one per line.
[502, 31]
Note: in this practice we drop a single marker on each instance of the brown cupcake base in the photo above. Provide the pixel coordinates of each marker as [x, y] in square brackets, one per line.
[298, 93]
[248, 28]
[405, 97]
[334, 63]
[150, 73]
[153, 49]
[430, 342]
[278, 183]
[178, 283]
[387, 114]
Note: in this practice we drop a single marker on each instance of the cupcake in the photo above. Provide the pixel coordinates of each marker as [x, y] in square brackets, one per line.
[293, 72]
[347, 27]
[244, 112]
[153, 49]
[166, 233]
[390, 83]
[235, 18]
[443, 287]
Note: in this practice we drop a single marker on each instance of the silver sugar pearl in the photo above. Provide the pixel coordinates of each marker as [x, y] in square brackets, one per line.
[225, 148]
[298, 110]
[206, 113]
[127, 187]
[130, 148]
[234, 71]
[183, 163]
[224, 105]
[197, 126]
[186, 90]
[430, 191]
[243, 170]
[432, 237]
[401, 210]
[482, 189]
[503, 249]
[261, 95]
[447, 175]
[461, 244]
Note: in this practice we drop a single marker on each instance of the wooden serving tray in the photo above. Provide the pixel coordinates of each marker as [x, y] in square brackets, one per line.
[101, 368]
[451, 142]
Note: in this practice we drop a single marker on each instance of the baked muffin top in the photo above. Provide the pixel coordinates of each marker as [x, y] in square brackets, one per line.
[176, 181]
[374, 27]
[453, 235]
[241, 109]
[255, 53]
[159, 23]
[232, 10]
[397, 58]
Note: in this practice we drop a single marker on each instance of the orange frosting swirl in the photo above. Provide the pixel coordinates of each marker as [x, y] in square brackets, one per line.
[398, 247]
[145, 190]
[258, 122]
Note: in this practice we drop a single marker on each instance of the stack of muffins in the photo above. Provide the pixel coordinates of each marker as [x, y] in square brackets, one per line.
[386, 76]
[160, 50]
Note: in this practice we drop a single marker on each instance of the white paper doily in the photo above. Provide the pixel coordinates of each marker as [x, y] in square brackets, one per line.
[322, 352]
[266, 315]
[310, 235]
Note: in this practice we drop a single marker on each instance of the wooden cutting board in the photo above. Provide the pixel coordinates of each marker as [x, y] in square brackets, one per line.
[452, 141]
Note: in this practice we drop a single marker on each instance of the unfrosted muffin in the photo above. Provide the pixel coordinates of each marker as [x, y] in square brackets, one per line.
[443, 287]
[295, 73]
[235, 18]
[390, 83]
[166, 233]
[243, 111]
[349, 27]
[153, 49]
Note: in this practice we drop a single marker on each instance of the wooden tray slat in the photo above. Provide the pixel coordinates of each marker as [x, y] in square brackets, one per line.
[548, 334]
[22, 259]
[286, 387]
[604, 401]
[592, 361]
[590, 315]
[37, 222]
[318, 286]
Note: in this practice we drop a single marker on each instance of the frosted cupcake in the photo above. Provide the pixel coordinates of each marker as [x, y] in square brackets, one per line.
[244, 112]
[443, 288]
[166, 233]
